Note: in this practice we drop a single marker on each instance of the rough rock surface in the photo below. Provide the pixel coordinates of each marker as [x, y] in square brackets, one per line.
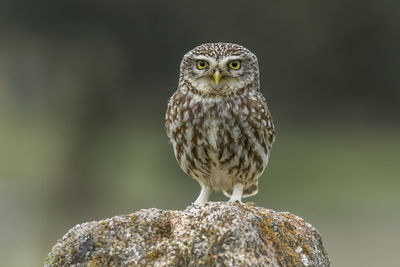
[213, 234]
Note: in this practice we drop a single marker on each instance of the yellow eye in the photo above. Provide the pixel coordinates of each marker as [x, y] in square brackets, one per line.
[201, 64]
[235, 64]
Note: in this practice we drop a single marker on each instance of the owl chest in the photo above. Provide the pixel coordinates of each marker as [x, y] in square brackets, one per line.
[223, 145]
[203, 130]
[210, 127]
[213, 130]
[220, 140]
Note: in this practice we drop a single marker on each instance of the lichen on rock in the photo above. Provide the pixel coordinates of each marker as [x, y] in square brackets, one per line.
[212, 234]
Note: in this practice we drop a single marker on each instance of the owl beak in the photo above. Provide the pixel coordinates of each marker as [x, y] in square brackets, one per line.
[217, 76]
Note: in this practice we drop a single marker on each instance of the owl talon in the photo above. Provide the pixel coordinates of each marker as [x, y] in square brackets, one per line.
[235, 201]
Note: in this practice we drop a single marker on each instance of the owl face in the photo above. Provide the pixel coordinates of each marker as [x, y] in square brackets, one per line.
[219, 68]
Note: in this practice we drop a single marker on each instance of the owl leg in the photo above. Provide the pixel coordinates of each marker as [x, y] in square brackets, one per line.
[204, 195]
[237, 193]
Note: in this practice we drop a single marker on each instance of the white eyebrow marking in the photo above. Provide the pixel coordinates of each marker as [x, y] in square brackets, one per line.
[201, 57]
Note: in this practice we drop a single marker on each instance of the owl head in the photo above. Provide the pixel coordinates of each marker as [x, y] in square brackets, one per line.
[219, 68]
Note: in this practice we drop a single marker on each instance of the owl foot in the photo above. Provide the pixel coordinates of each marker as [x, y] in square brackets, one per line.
[237, 193]
[204, 195]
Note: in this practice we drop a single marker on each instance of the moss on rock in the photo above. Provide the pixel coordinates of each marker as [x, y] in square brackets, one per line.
[213, 234]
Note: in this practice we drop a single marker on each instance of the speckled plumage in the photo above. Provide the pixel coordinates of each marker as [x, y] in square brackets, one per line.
[222, 132]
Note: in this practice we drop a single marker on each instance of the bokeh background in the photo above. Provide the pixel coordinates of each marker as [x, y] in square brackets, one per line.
[84, 87]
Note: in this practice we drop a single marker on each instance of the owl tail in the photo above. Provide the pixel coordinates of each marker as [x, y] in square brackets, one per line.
[247, 192]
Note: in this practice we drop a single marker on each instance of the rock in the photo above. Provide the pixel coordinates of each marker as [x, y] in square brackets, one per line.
[213, 234]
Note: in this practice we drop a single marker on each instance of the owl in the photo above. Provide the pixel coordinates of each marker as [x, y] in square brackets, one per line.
[218, 121]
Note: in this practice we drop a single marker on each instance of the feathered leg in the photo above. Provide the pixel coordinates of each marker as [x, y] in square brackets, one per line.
[204, 195]
[237, 193]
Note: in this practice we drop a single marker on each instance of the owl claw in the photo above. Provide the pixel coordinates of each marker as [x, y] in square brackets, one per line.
[235, 201]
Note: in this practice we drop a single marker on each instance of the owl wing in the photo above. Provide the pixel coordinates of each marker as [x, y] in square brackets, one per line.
[168, 118]
[172, 113]
[266, 122]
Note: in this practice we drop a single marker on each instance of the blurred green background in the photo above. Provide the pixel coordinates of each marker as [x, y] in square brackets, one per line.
[83, 92]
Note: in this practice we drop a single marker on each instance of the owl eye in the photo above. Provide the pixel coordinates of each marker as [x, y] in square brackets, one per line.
[234, 64]
[201, 64]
